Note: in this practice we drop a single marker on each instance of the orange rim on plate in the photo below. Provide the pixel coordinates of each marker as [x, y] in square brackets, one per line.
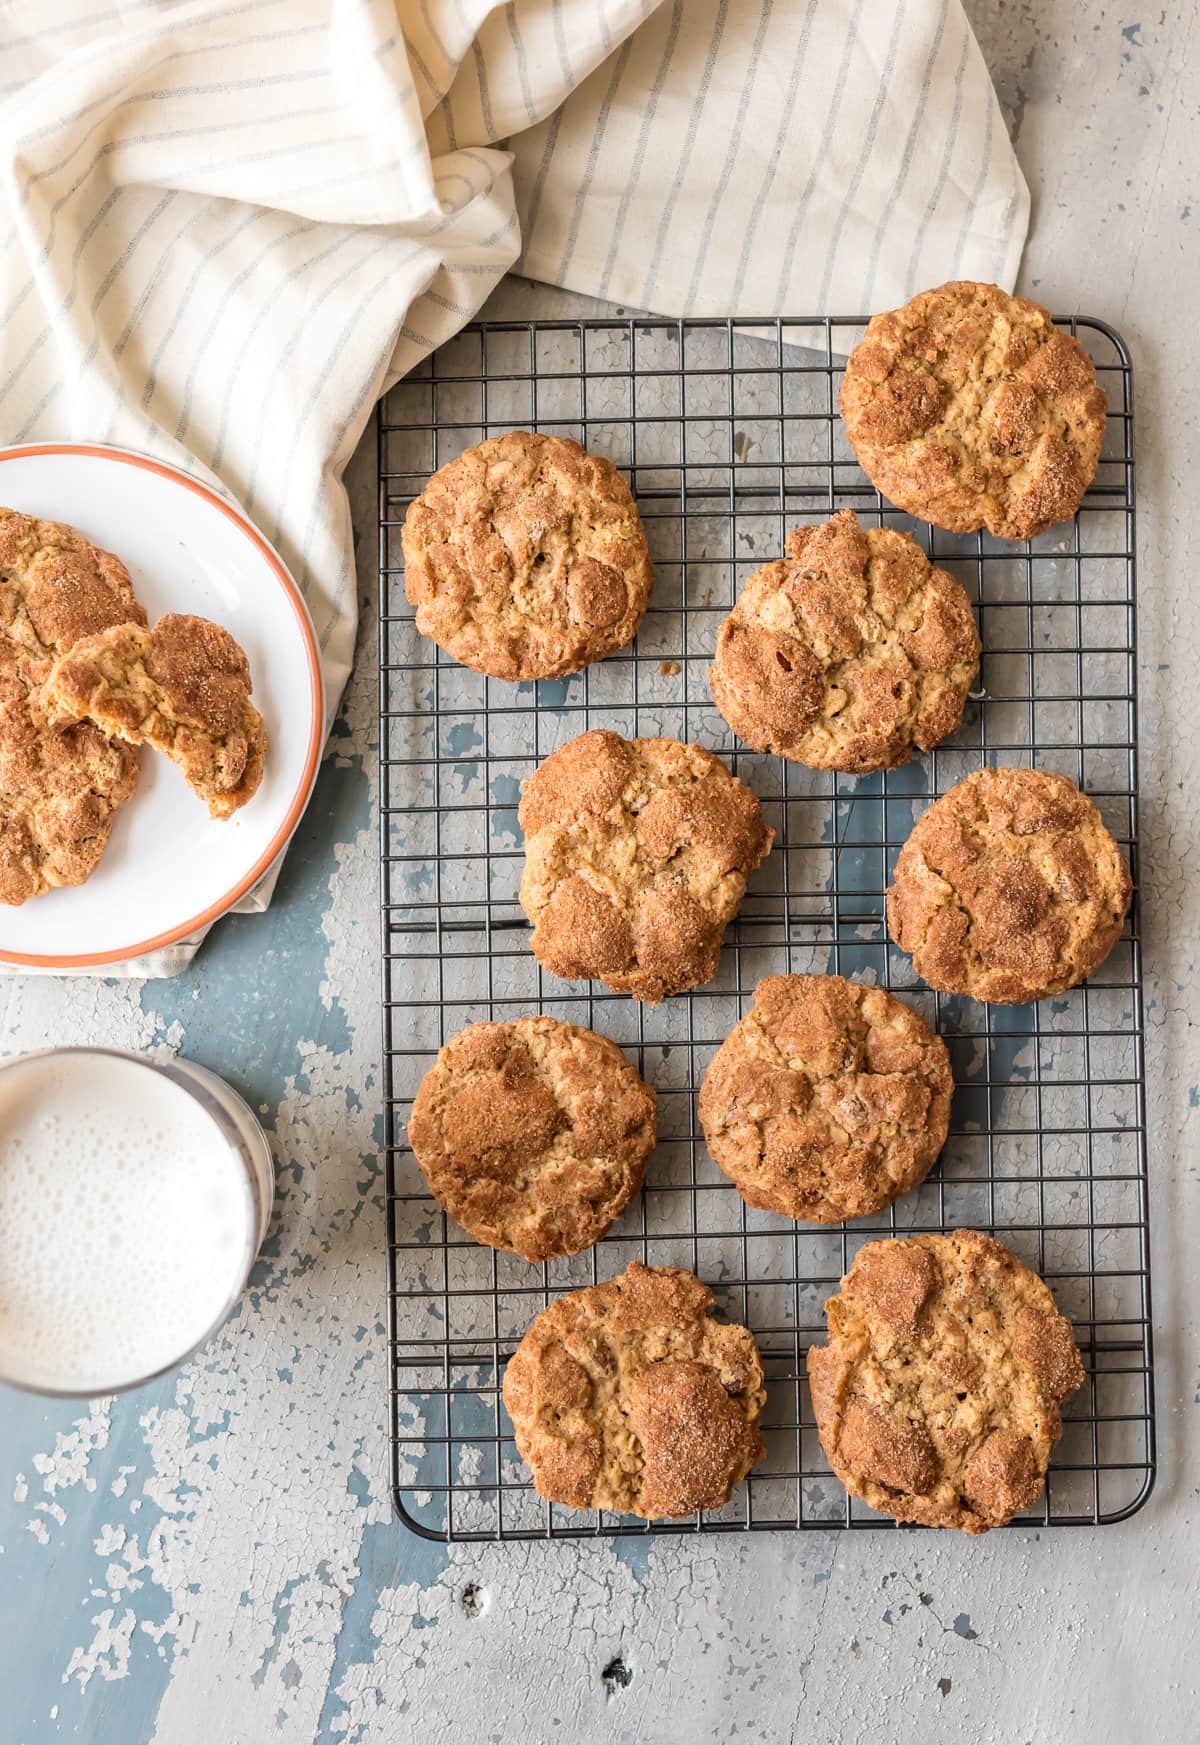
[300, 799]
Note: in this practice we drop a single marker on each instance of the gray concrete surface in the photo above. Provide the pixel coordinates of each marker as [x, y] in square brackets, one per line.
[214, 1559]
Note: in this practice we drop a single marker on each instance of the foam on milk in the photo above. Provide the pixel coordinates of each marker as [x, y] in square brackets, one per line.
[125, 1222]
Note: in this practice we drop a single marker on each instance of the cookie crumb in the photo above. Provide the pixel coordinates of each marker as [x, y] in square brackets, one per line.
[668, 668]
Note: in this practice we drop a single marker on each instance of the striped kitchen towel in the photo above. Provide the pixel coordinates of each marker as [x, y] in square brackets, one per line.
[226, 226]
[827, 156]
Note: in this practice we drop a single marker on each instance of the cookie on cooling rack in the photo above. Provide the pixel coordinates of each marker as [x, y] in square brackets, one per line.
[533, 1134]
[849, 653]
[629, 1396]
[937, 1395]
[1009, 888]
[969, 408]
[827, 1100]
[637, 853]
[61, 786]
[526, 557]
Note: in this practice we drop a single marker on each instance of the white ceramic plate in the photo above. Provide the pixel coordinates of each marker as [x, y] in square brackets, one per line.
[169, 868]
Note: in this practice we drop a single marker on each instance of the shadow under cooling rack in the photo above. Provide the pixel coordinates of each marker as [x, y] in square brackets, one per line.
[728, 434]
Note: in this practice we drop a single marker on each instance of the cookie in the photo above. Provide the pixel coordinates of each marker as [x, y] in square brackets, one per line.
[969, 408]
[629, 1396]
[637, 853]
[937, 1395]
[828, 1100]
[849, 653]
[61, 786]
[533, 1134]
[1008, 888]
[526, 558]
[184, 688]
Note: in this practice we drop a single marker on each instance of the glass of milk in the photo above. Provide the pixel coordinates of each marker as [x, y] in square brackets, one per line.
[134, 1198]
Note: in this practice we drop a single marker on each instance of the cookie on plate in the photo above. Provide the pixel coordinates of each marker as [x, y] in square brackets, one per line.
[61, 786]
[969, 408]
[1009, 888]
[937, 1395]
[629, 1396]
[827, 1100]
[184, 688]
[526, 557]
[533, 1134]
[637, 853]
[849, 653]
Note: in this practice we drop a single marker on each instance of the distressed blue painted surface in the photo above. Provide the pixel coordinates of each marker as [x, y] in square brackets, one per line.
[249, 996]
[252, 990]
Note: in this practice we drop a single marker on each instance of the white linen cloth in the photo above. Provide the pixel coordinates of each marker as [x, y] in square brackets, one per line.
[227, 226]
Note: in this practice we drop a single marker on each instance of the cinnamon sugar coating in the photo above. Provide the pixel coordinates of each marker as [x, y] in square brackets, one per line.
[937, 1394]
[526, 557]
[629, 1396]
[637, 853]
[969, 408]
[60, 785]
[533, 1134]
[849, 653]
[827, 1100]
[184, 688]
[1009, 888]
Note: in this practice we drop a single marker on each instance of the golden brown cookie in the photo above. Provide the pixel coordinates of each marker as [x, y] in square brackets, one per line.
[937, 1396]
[1008, 888]
[828, 1100]
[60, 786]
[526, 558]
[637, 853]
[848, 653]
[184, 688]
[629, 1396]
[534, 1134]
[969, 408]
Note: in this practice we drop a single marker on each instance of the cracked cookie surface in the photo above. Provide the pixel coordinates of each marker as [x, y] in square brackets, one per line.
[969, 408]
[526, 557]
[533, 1134]
[637, 853]
[827, 1100]
[1009, 888]
[60, 785]
[629, 1396]
[937, 1394]
[182, 687]
[847, 654]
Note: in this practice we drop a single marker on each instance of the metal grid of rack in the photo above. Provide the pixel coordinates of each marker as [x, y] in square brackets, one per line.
[728, 433]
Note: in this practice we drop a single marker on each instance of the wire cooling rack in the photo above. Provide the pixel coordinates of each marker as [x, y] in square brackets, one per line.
[729, 435]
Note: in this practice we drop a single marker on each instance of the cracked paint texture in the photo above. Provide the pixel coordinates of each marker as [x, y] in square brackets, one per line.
[214, 1557]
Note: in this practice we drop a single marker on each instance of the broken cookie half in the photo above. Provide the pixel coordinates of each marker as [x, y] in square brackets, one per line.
[182, 687]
